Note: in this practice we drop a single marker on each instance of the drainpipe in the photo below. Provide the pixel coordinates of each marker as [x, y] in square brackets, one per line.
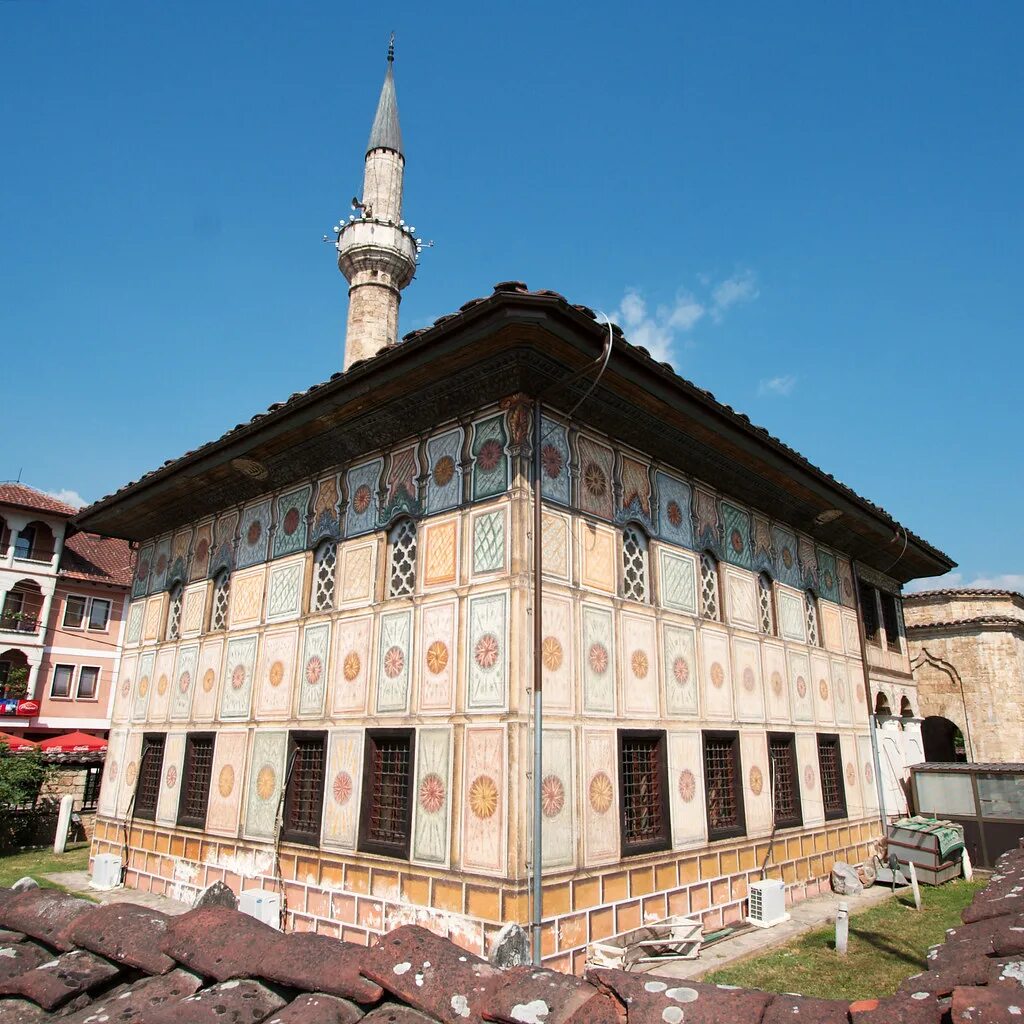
[872, 720]
[538, 685]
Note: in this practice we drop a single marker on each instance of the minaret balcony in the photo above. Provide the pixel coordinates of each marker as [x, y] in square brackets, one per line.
[371, 245]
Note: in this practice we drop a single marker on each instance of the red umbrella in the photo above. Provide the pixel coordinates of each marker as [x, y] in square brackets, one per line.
[15, 744]
[73, 743]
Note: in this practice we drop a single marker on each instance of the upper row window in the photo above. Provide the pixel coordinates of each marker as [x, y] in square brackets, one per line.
[879, 608]
[86, 612]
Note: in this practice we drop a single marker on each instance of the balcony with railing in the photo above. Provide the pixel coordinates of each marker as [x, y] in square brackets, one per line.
[22, 608]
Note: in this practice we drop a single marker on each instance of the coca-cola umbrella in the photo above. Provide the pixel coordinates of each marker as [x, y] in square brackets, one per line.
[73, 743]
[15, 744]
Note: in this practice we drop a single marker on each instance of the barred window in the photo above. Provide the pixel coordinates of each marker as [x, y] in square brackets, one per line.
[386, 811]
[195, 780]
[402, 558]
[634, 564]
[174, 613]
[891, 620]
[221, 594]
[324, 561]
[722, 787]
[643, 788]
[869, 611]
[766, 604]
[811, 605]
[151, 767]
[304, 793]
[785, 790]
[710, 606]
[830, 765]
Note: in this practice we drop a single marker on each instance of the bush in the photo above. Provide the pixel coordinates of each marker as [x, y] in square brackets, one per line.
[21, 776]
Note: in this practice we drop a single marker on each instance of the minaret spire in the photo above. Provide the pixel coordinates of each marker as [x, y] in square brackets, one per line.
[377, 252]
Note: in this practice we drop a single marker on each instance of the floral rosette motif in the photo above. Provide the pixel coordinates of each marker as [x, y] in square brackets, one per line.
[431, 793]
[600, 792]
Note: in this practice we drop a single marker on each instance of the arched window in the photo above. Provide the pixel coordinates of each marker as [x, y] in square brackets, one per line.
[221, 593]
[813, 633]
[402, 558]
[634, 564]
[34, 542]
[882, 704]
[766, 604]
[22, 607]
[710, 604]
[906, 711]
[174, 612]
[323, 576]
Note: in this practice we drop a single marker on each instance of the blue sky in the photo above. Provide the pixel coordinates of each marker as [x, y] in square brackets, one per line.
[813, 210]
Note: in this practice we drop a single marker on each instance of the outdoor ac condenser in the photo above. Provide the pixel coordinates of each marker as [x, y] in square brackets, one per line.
[106, 871]
[767, 901]
[264, 906]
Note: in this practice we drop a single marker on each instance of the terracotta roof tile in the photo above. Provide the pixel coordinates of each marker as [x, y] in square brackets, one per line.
[961, 592]
[39, 501]
[87, 556]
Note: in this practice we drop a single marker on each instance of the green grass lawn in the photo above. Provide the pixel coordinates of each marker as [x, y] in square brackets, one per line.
[37, 862]
[887, 944]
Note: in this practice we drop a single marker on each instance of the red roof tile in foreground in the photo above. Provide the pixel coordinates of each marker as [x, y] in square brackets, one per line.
[21, 496]
[100, 559]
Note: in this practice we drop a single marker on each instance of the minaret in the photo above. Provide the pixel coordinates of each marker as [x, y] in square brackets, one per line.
[376, 252]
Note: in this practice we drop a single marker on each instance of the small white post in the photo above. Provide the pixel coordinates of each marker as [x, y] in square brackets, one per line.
[965, 860]
[60, 840]
[842, 928]
[914, 885]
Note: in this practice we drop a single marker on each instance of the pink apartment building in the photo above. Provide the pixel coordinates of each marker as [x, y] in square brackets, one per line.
[63, 596]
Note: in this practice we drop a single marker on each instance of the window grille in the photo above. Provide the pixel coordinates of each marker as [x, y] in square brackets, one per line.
[174, 614]
[709, 603]
[785, 791]
[890, 618]
[869, 610]
[387, 788]
[304, 796]
[323, 576]
[721, 781]
[811, 604]
[634, 564]
[150, 771]
[830, 768]
[195, 782]
[643, 789]
[402, 574]
[221, 593]
[91, 792]
[766, 604]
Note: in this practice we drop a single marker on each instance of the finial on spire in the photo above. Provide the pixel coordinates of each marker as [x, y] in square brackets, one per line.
[391, 49]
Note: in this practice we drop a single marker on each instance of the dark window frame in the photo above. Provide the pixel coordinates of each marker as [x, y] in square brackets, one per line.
[366, 843]
[151, 770]
[795, 820]
[890, 620]
[740, 828]
[289, 833]
[841, 809]
[188, 772]
[663, 841]
[869, 613]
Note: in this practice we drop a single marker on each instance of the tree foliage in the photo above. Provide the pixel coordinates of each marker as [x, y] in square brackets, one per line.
[21, 776]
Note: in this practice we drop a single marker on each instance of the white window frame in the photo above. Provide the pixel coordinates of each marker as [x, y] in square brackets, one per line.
[78, 684]
[86, 623]
[71, 682]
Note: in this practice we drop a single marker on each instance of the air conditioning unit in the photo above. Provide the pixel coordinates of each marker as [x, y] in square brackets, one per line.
[106, 871]
[264, 906]
[767, 903]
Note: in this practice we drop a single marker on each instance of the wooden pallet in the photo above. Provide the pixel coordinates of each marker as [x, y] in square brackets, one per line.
[674, 938]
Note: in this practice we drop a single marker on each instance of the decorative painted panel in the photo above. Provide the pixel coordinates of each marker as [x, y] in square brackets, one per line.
[163, 673]
[600, 797]
[193, 605]
[741, 598]
[737, 536]
[801, 698]
[363, 483]
[440, 553]
[792, 615]
[284, 591]
[824, 711]
[122, 708]
[170, 781]
[595, 483]
[716, 674]
[401, 486]
[342, 789]
[831, 627]
[204, 703]
[133, 631]
[598, 655]
[444, 482]
[787, 568]
[776, 687]
[351, 665]
[841, 692]
[489, 541]
[200, 567]
[746, 660]
[153, 619]
[179, 569]
[708, 524]
[357, 573]
[557, 654]
[599, 551]
[846, 592]
[679, 656]
[484, 811]
[554, 461]
[144, 687]
[240, 667]
[555, 541]
[490, 461]
[394, 657]
[316, 646]
[254, 534]
[636, 492]
[432, 811]
[557, 801]
[223, 556]
[487, 652]
[436, 639]
[266, 773]
[810, 783]
[184, 682]
[762, 556]
[290, 532]
[140, 582]
[226, 780]
[161, 563]
[686, 788]
[675, 521]
[808, 562]
[247, 597]
[851, 776]
[129, 773]
[112, 772]
[866, 766]
[757, 796]
[828, 576]
[677, 576]
[851, 634]
[276, 674]
[326, 520]
[639, 667]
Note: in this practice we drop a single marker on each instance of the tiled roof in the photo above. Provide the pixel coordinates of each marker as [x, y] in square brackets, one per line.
[21, 496]
[87, 556]
[1006, 621]
[961, 592]
[65, 959]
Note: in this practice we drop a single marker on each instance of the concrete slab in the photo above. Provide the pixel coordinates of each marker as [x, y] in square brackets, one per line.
[77, 882]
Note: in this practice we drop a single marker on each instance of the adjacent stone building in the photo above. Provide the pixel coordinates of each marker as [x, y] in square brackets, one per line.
[343, 609]
[967, 651]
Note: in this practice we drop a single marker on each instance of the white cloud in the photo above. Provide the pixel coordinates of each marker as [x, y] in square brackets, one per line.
[69, 497]
[741, 287]
[956, 580]
[777, 386]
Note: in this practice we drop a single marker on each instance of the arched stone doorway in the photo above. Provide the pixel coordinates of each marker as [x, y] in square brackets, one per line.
[943, 740]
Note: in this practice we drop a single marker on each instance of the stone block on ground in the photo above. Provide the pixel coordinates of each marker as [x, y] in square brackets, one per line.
[219, 943]
[123, 932]
[992, 1004]
[319, 1008]
[845, 880]
[18, 957]
[240, 1001]
[20, 1011]
[133, 1004]
[216, 895]
[57, 982]
[902, 1008]
[42, 914]
[787, 1009]
[304, 960]
[522, 993]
